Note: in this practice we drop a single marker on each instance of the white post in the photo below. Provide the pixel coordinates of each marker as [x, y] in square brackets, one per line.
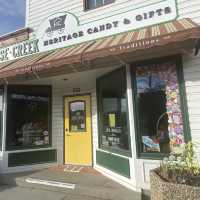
[132, 127]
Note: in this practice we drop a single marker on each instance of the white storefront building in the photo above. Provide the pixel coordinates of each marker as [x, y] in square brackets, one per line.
[113, 84]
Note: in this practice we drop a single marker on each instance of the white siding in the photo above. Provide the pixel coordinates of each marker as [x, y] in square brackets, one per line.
[192, 82]
[38, 10]
[57, 122]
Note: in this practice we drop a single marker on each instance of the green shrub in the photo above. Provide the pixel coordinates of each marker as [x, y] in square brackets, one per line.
[181, 167]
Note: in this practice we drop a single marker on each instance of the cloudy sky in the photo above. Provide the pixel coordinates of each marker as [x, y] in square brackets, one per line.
[12, 15]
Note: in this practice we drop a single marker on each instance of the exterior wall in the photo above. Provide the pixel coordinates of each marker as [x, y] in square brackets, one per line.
[192, 81]
[38, 10]
[57, 117]
[87, 83]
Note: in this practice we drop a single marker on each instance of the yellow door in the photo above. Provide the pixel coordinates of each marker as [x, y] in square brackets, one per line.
[78, 136]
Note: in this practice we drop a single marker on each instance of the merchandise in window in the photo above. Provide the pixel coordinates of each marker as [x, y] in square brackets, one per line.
[28, 117]
[113, 120]
[158, 108]
[90, 4]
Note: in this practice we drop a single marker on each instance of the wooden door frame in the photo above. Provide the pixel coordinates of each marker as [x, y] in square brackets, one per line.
[76, 95]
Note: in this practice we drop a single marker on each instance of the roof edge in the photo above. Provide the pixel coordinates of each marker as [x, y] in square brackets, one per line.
[15, 33]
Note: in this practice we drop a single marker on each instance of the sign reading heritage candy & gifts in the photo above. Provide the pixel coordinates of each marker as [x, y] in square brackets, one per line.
[64, 29]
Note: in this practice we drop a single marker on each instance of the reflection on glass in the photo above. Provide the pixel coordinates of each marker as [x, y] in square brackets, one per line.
[77, 116]
[114, 132]
[28, 116]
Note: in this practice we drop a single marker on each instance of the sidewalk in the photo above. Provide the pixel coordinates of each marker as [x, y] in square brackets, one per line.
[88, 184]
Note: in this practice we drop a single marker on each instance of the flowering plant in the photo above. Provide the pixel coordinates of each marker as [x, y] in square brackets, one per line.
[181, 166]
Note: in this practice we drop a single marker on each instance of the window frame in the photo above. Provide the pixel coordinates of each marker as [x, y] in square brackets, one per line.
[15, 148]
[86, 8]
[177, 59]
[127, 153]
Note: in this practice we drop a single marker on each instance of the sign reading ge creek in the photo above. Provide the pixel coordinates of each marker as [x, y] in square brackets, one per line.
[64, 29]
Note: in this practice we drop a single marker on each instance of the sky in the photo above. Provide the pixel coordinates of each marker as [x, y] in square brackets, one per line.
[12, 15]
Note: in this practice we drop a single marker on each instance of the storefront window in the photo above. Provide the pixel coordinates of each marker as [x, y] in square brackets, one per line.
[158, 108]
[28, 116]
[113, 120]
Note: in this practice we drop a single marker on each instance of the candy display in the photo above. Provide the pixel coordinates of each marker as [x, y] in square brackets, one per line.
[163, 77]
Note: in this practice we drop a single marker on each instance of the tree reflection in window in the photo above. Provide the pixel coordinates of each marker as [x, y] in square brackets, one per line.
[77, 116]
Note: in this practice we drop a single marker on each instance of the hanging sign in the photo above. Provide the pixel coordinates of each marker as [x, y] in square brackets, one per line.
[64, 29]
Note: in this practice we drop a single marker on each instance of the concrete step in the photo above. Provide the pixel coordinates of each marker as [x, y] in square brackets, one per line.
[95, 186]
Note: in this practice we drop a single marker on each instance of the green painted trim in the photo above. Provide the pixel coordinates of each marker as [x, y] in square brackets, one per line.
[184, 103]
[187, 135]
[177, 9]
[100, 117]
[32, 157]
[114, 163]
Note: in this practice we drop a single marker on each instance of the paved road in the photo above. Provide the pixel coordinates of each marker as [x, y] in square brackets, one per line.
[22, 193]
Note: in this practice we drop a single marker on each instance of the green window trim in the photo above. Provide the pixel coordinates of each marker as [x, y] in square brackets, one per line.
[177, 59]
[115, 163]
[127, 153]
[45, 156]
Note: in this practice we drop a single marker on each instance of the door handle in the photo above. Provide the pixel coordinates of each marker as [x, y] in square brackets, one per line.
[66, 129]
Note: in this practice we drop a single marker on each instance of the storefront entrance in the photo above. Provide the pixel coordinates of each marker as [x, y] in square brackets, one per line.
[78, 134]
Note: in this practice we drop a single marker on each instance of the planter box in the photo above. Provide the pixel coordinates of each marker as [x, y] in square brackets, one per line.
[162, 190]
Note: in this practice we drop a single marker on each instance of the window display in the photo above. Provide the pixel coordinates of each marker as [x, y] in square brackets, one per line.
[114, 131]
[28, 116]
[158, 108]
